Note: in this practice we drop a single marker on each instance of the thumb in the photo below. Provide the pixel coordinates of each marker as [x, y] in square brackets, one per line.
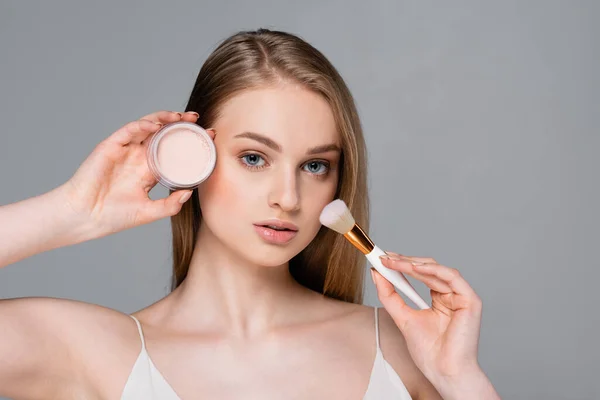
[400, 312]
[168, 206]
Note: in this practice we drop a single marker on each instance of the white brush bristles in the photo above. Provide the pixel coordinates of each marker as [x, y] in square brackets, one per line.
[336, 216]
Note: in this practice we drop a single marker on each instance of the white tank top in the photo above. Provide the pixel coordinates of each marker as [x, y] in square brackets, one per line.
[146, 383]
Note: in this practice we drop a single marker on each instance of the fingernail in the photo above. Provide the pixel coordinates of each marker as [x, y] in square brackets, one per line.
[180, 114]
[373, 275]
[157, 123]
[416, 263]
[193, 112]
[185, 197]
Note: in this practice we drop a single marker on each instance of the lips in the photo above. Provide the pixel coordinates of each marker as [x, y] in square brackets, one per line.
[278, 224]
[276, 231]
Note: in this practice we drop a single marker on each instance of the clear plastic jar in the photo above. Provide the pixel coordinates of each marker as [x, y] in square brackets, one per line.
[181, 155]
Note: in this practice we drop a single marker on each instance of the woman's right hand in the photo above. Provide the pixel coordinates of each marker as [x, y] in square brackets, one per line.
[109, 191]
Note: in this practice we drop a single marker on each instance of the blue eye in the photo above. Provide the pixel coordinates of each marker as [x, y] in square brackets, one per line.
[316, 167]
[256, 162]
[253, 160]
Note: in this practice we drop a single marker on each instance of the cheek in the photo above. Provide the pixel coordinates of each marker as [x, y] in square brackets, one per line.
[223, 194]
[327, 191]
[315, 200]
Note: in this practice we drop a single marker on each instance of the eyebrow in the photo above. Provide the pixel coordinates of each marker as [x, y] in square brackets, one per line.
[273, 145]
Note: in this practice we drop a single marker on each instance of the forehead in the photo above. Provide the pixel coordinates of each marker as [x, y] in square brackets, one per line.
[291, 115]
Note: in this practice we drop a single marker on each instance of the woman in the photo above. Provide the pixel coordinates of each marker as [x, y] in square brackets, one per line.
[247, 318]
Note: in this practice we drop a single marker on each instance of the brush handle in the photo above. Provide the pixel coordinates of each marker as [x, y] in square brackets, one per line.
[395, 277]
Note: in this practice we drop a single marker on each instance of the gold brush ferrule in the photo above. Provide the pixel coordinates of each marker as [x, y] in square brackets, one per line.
[359, 239]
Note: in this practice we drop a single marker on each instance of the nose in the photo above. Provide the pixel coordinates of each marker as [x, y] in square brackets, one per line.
[285, 193]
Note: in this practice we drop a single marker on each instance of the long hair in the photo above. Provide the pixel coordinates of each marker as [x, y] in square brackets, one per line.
[252, 59]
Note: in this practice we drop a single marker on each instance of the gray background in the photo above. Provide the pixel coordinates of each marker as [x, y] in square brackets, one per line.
[481, 120]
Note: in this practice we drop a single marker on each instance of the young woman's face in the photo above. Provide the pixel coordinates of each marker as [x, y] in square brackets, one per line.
[278, 154]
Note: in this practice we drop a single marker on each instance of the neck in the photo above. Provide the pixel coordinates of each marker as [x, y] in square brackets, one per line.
[237, 298]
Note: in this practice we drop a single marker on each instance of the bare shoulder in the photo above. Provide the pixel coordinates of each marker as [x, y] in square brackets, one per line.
[360, 320]
[106, 342]
[346, 315]
[78, 323]
[394, 349]
[58, 311]
[75, 338]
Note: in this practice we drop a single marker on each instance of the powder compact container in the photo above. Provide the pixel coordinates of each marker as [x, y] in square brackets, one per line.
[181, 155]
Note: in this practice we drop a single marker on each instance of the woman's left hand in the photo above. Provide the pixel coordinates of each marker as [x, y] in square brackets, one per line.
[443, 340]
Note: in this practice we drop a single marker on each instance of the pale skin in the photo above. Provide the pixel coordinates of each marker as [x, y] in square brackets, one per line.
[239, 316]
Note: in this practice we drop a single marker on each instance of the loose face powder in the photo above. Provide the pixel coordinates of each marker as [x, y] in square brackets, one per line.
[181, 155]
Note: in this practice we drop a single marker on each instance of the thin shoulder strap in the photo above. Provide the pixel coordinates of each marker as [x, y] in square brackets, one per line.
[376, 326]
[139, 326]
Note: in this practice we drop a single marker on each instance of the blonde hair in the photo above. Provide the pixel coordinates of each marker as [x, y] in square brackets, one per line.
[251, 59]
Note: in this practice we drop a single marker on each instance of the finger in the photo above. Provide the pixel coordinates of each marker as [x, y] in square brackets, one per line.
[167, 117]
[148, 180]
[166, 207]
[212, 133]
[134, 132]
[164, 117]
[419, 259]
[451, 276]
[406, 266]
[400, 312]
[190, 116]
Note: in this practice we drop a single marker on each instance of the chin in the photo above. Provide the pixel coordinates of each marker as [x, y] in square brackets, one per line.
[269, 255]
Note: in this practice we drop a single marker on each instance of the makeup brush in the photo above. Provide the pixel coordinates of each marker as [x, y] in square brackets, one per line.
[337, 217]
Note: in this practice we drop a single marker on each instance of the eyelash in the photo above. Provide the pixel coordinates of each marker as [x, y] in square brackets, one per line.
[258, 168]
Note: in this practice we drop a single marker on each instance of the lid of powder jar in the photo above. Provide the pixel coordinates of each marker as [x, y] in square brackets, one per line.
[181, 155]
